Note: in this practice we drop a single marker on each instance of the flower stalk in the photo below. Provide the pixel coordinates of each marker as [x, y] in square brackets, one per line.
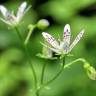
[28, 56]
[55, 77]
[31, 28]
[43, 71]
[73, 62]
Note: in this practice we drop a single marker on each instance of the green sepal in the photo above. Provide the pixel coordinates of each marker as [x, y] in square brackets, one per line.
[45, 57]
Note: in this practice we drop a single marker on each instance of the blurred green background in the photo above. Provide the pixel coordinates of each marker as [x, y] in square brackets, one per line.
[15, 72]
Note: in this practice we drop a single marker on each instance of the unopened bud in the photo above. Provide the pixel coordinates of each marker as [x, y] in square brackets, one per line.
[42, 24]
[91, 72]
[86, 65]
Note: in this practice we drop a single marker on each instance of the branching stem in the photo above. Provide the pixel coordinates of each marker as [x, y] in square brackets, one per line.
[28, 56]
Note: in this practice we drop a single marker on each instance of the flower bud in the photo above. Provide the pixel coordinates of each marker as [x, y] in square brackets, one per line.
[42, 24]
[91, 72]
[86, 65]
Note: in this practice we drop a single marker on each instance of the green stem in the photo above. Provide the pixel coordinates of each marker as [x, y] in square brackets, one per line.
[29, 34]
[42, 74]
[77, 60]
[63, 67]
[19, 35]
[31, 65]
[55, 77]
[28, 56]
[37, 93]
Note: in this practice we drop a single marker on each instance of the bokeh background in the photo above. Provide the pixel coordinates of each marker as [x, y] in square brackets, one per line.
[15, 72]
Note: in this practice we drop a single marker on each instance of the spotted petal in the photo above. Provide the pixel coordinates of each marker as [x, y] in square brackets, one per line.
[67, 34]
[10, 17]
[3, 10]
[66, 38]
[50, 40]
[77, 39]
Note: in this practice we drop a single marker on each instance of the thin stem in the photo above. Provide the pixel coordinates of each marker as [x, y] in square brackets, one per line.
[28, 56]
[63, 61]
[31, 65]
[43, 70]
[19, 35]
[63, 67]
[37, 93]
[29, 35]
[55, 77]
[77, 60]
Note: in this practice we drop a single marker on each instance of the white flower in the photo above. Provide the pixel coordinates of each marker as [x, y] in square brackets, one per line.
[64, 46]
[10, 18]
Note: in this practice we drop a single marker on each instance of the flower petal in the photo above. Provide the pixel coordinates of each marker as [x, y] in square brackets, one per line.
[3, 10]
[50, 40]
[64, 46]
[67, 34]
[66, 38]
[10, 17]
[77, 39]
[21, 10]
